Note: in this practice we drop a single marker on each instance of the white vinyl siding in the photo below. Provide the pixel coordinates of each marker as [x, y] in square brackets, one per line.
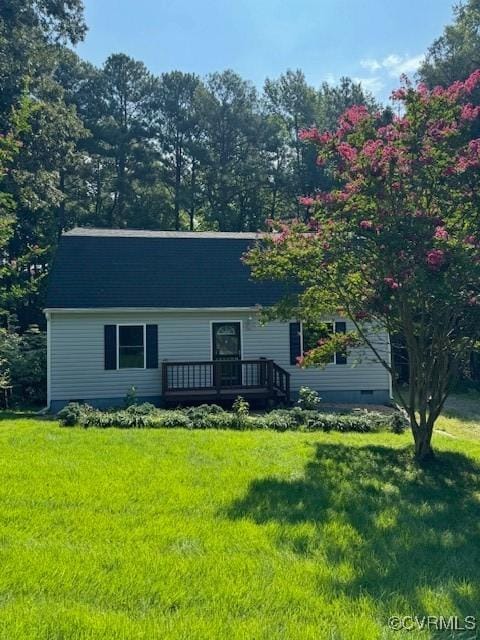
[77, 353]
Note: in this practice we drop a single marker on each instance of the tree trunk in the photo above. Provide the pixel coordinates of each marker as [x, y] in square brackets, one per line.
[423, 445]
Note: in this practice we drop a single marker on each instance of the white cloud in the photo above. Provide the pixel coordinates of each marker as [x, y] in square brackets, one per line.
[394, 64]
[373, 84]
[407, 65]
[371, 64]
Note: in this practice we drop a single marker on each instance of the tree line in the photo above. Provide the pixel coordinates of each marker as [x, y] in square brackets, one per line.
[117, 146]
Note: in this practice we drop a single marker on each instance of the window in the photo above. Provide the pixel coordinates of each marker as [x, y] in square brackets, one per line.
[131, 346]
[311, 334]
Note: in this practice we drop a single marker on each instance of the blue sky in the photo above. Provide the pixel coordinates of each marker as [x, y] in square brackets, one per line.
[369, 40]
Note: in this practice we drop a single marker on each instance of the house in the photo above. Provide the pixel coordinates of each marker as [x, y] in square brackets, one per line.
[177, 316]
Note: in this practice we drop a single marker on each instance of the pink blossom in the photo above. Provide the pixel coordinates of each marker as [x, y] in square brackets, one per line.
[306, 201]
[325, 137]
[392, 283]
[423, 90]
[388, 153]
[472, 81]
[309, 134]
[347, 151]
[441, 233]
[371, 147]
[399, 94]
[356, 114]
[441, 129]
[470, 240]
[435, 258]
[474, 146]
[366, 224]
[469, 112]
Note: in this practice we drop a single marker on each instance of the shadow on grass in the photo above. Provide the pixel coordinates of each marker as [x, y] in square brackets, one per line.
[22, 414]
[407, 535]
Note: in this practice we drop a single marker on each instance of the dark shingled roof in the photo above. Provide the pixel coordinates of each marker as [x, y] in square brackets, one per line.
[101, 268]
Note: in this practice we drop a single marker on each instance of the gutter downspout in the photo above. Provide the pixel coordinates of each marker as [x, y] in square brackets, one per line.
[49, 357]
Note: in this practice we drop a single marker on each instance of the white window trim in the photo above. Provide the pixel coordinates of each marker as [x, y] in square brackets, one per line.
[334, 324]
[132, 324]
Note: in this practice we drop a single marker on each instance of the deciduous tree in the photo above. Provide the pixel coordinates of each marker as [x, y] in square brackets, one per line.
[396, 247]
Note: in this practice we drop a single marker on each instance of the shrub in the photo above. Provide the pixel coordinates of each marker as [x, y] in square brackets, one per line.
[204, 409]
[131, 397]
[70, 415]
[201, 416]
[214, 417]
[144, 409]
[240, 412]
[308, 399]
[281, 420]
[174, 419]
[398, 422]
[24, 356]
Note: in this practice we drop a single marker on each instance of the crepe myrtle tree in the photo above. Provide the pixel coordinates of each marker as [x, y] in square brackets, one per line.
[396, 245]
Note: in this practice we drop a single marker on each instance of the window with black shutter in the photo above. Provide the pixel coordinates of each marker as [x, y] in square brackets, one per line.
[110, 346]
[295, 342]
[152, 346]
[131, 346]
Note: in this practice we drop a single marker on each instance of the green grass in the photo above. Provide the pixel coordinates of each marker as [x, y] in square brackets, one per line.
[173, 534]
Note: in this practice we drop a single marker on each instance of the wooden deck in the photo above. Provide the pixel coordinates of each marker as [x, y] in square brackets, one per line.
[217, 380]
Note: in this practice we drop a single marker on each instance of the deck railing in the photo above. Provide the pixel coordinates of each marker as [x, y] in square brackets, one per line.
[220, 376]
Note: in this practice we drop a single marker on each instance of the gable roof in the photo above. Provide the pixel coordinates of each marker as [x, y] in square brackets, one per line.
[110, 268]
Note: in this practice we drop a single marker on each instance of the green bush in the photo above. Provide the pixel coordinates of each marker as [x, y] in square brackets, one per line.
[201, 416]
[174, 419]
[70, 415]
[308, 399]
[214, 417]
[24, 356]
[281, 420]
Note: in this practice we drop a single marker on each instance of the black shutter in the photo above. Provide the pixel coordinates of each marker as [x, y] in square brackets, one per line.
[152, 346]
[110, 346]
[340, 327]
[295, 342]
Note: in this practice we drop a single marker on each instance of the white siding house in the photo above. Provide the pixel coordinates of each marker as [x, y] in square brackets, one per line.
[83, 366]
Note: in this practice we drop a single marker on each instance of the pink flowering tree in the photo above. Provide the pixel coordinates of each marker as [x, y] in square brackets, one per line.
[396, 245]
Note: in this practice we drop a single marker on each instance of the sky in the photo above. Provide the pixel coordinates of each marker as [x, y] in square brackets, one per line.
[373, 41]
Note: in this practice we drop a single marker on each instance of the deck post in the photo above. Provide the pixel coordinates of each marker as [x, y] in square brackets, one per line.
[217, 377]
[164, 377]
[270, 376]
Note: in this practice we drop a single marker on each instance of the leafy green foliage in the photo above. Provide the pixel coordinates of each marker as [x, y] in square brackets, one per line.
[395, 246]
[456, 53]
[24, 356]
[308, 398]
[214, 417]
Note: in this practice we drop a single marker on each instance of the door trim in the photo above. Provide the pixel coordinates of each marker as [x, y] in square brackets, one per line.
[233, 321]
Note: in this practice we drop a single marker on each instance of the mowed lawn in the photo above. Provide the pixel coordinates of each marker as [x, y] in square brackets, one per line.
[126, 534]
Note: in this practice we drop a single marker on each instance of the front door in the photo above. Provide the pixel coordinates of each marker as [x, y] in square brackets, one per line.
[227, 345]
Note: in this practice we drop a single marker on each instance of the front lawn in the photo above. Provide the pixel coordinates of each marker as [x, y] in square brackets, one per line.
[176, 534]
